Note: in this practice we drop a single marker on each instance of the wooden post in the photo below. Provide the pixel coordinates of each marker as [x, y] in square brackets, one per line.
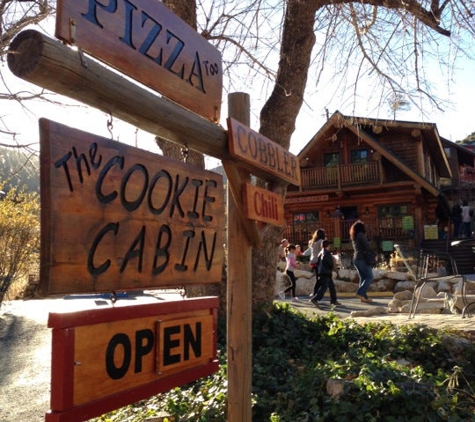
[239, 291]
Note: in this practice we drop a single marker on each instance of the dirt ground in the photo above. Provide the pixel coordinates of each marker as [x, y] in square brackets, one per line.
[25, 350]
[25, 344]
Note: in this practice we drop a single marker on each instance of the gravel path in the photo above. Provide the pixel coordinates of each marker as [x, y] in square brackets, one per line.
[25, 361]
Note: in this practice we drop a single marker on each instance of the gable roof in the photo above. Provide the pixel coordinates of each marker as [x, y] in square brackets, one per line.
[356, 126]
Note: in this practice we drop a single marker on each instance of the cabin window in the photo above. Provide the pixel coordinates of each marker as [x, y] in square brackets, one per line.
[304, 225]
[392, 211]
[359, 156]
[331, 159]
[391, 220]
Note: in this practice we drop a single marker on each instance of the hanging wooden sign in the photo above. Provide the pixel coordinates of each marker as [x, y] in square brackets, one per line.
[107, 358]
[263, 205]
[148, 42]
[263, 157]
[114, 217]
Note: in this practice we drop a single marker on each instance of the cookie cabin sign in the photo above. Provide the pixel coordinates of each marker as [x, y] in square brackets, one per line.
[115, 217]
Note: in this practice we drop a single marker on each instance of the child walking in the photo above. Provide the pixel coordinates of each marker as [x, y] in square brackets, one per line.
[289, 270]
[325, 272]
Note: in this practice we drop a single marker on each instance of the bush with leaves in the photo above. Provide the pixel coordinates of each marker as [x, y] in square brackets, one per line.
[390, 373]
[19, 236]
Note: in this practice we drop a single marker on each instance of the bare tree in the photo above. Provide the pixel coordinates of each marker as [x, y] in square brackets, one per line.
[14, 17]
[367, 50]
[390, 46]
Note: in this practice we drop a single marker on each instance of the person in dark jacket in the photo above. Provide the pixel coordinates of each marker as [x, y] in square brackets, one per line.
[361, 249]
[325, 269]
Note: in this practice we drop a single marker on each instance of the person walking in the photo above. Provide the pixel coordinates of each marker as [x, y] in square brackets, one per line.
[315, 246]
[467, 219]
[289, 270]
[326, 265]
[457, 218]
[362, 249]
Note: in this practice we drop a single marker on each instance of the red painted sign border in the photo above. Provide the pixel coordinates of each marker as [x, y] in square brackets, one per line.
[62, 371]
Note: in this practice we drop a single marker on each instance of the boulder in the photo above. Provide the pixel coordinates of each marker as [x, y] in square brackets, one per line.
[404, 285]
[403, 295]
[397, 275]
[383, 285]
[377, 310]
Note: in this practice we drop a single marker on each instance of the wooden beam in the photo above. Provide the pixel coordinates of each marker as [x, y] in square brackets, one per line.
[239, 293]
[52, 65]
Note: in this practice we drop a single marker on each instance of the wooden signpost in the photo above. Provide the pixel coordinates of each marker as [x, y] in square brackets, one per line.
[107, 358]
[148, 42]
[116, 217]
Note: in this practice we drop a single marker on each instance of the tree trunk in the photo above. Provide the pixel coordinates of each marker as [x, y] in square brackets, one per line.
[186, 10]
[277, 121]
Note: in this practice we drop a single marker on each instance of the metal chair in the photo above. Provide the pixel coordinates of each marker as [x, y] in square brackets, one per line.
[425, 266]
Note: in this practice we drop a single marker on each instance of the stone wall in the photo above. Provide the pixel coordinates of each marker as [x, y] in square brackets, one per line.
[441, 293]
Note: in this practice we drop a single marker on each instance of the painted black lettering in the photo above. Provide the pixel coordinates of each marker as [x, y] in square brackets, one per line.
[141, 348]
[118, 372]
[176, 196]
[133, 205]
[135, 253]
[169, 344]
[174, 55]
[96, 160]
[192, 340]
[241, 136]
[197, 73]
[188, 235]
[127, 37]
[202, 247]
[63, 162]
[91, 14]
[271, 155]
[262, 151]
[105, 199]
[93, 270]
[155, 179]
[81, 160]
[252, 144]
[196, 183]
[208, 199]
[151, 38]
[162, 251]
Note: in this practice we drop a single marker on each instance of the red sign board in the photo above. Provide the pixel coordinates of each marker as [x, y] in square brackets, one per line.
[114, 217]
[263, 157]
[263, 205]
[104, 359]
[148, 42]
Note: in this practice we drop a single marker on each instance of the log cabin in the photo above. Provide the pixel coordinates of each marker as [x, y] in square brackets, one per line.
[396, 176]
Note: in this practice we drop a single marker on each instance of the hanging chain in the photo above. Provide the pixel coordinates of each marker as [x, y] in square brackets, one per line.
[110, 126]
[184, 153]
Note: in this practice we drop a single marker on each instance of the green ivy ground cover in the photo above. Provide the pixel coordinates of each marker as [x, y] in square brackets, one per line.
[389, 373]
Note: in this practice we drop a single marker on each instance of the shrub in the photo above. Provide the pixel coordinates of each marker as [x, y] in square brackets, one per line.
[19, 236]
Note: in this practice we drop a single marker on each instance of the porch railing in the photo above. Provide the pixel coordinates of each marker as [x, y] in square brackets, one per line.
[341, 175]
[384, 228]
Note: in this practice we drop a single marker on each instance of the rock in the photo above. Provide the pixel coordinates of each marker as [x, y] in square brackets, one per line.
[403, 295]
[345, 286]
[335, 388]
[427, 291]
[377, 310]
[395, 305]
[404, 285]
[303, 274]
[397, 275]
[383, 285]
